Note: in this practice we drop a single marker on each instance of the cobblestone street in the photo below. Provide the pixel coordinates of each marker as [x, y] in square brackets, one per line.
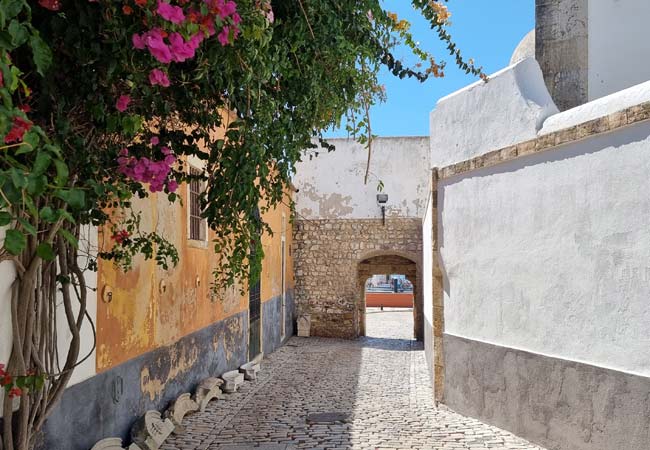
[379, 383]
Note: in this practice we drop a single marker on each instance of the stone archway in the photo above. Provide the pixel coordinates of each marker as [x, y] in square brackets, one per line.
[388, 263]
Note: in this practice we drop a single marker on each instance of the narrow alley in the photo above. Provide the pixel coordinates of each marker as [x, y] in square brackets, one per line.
[315, 393]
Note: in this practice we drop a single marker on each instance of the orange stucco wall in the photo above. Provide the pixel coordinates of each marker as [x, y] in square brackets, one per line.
[152, 307]
[389, 299]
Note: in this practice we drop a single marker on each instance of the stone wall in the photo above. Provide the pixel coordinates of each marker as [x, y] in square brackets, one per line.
[327, 254]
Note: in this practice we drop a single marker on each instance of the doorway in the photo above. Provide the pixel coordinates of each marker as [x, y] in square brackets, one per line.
[400, 273]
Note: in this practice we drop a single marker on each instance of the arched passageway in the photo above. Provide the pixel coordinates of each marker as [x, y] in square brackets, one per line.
[390, 263]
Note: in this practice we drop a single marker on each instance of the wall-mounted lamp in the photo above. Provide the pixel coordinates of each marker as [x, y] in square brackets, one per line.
[382, 199]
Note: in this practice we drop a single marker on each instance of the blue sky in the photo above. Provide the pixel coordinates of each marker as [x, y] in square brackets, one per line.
[487, 31]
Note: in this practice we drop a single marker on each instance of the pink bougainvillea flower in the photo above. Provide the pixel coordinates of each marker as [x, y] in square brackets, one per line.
[196, 39]
[154, 140]
[145, 170]
[224, 36]
[174, 14]
[2, 80]
[19, 127]
[180, 49]
[158, 77]
[157, 46]
[122, 103]
[236, 18]
[228, 9]
[52, 5]
[138, 41]
[172, 185]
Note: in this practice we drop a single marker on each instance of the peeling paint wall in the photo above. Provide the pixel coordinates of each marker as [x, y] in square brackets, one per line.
[152, 307]
[331, 185]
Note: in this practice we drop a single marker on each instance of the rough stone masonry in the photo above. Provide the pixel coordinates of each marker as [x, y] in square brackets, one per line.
[327, 254]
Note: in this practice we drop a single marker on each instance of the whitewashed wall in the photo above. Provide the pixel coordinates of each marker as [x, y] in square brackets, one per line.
[509, 108]
[331, 186]
[85, 370]
[619, 54]
[551, 253]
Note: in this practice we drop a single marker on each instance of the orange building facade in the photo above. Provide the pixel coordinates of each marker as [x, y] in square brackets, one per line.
[160, 332]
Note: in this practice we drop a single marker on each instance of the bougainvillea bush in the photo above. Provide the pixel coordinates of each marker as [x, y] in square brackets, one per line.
[103, 101]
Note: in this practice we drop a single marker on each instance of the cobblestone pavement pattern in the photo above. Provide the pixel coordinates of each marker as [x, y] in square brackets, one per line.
[381, 382]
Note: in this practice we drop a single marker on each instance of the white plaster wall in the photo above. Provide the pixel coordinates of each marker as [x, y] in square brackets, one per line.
[551, 253]
[7, 275]
[331, 185]
[427, 283]
[619, 54]
[482, 117]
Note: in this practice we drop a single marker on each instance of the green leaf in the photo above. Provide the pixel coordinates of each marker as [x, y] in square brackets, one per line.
[11, 8]
[18, 178]
[39, 381]
[5, 218]
[15, 242]
[131, 124]
[76, 198]
[42, 54]
[62, 173]
[66, 215]
[48, 215]
[42, 162]
[18, 33]
[27, 226]
[69, 237]
[30, 142]
[36, 184]
[45, 251]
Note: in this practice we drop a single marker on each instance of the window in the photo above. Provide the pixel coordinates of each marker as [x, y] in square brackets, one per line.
[198, 225]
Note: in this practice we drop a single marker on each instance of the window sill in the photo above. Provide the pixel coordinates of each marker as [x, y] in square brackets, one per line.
[197, 244]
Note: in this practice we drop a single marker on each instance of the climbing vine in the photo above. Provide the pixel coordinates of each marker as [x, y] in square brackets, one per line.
[103, 102]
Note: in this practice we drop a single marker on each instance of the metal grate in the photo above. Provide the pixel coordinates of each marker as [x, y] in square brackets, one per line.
[254, 310]
[197, 223]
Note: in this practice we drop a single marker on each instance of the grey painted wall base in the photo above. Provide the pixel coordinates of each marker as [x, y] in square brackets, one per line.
[271, 313]
[107, 404]
[559, 404]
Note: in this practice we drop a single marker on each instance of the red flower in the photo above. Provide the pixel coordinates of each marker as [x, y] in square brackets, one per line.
[127, 10]
[122, 103]
[15, 392]
[52, 5]
[19, 127]
[2, 370]
[6, 379]
[121, 236]
[25, 108]
[141, 2]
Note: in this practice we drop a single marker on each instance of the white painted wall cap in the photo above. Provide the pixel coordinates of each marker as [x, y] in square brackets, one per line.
[511, 107]
[598, 108]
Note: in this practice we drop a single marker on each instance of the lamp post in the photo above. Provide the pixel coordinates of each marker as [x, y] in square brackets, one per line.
[382, 199]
